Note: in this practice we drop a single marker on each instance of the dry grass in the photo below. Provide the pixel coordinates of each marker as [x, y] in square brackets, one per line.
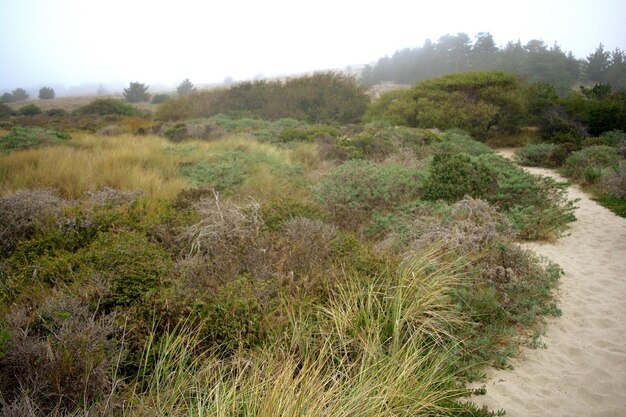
[69, 104]
[131, 163]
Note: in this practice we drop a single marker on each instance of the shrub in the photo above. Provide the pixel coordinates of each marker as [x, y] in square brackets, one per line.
[46, 93]
[132, 264]
[160, 98]
[455, 141]
[613, 137]
[588, 164]
[56, 112]
[136, 92]
[5, 110]
[59, 359]
[355, 188]
[31, 137]
[107, 106]
[29, 110]
[537, 155]
[453, 176]
[614, 184]
[283, 209]
[23, 212]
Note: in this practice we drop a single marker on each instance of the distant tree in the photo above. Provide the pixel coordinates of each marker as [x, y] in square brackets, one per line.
[6, 98]
[185, 88]
[101, 91]
[136, 92]
[19, 94]
[598, 65]
[46, 93]
[616, 73]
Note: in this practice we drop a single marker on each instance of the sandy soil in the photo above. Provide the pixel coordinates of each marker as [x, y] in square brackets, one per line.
[582, 370]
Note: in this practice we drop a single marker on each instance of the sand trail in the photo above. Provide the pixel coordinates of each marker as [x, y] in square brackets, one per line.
[582, 370]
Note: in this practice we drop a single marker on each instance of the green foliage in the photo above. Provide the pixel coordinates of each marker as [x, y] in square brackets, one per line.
[134, 265]
[455, 141]
[278, 212]
[229, 170]
[479, 102]
[616, 205]
[136, 92]
[29, 110]
[19, 94]
[589, 163]
[317, 98]
[537, 155]
[107, 106]
[5, 110]
[613, 137]
[160, 98]
[598, 109]
[185, 88]
[536, 205]
[307, 133]
[56, 112]
[453, 176]
[31, 137]
[46, 93]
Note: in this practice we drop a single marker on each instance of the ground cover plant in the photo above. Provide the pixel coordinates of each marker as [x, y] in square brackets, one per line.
[241, 266]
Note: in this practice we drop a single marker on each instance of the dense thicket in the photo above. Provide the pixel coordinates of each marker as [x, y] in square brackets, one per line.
[534, 60]
[321, 97]
[479, 102]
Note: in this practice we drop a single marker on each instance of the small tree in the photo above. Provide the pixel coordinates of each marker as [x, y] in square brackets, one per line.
[46, 93]
[136, 92]
[185, 88]
[6, 98]
[19, 94]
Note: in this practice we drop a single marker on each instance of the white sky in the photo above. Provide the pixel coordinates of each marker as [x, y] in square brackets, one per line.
[46, 42]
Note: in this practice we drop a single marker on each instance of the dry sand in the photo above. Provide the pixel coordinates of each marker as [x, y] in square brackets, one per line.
[582, 370]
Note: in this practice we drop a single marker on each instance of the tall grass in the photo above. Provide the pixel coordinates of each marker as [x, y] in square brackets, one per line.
[382, 348]
[147, 163]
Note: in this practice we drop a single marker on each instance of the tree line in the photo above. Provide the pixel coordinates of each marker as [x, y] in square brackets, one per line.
[534, 60]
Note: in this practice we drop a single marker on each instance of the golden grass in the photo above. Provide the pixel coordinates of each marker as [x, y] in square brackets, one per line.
[147, 163]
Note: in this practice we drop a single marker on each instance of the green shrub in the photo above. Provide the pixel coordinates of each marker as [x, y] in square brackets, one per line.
[160, 98]
[307, 133]
[278, 212]
[5, 110]
[29, 110]
[537, 155]
[589, 163]
[614, 184]
[56, 112]
[459, 142]
[107, 106]
[355, 188]
[613, 137]
[453, 176]
[133, 265]
[31, 137]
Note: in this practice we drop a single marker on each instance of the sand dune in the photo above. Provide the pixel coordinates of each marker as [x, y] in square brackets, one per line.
[582, 370]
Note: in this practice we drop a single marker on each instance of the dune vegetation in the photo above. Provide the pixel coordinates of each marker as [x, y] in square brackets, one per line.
[219, 261]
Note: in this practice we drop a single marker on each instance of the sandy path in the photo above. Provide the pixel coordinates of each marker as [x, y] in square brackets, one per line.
[582, 372]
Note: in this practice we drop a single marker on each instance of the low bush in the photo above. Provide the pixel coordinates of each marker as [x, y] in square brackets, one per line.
[351, 191]
[31, 137]
[58, 359]
[56, 112]
[133, 265]
[614, 184]
[453, 176]
[613, 137]
[591, 163]
[160, 98]
[29, 110]
[459, 142]
[5, 110]
[537, 155]
[107, 106]
[278, 212]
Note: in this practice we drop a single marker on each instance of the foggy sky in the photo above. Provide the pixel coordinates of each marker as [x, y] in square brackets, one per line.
[70, 42]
